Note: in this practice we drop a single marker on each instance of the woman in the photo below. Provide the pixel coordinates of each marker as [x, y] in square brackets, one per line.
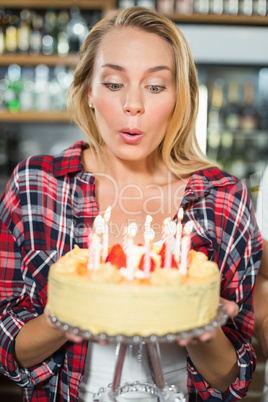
[135, 95]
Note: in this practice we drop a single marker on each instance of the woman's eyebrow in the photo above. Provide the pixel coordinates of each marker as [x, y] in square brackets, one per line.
[150, 70]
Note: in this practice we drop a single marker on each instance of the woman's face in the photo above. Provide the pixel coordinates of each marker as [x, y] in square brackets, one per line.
[133, 92]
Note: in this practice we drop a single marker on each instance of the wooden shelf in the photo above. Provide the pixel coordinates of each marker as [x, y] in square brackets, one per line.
[33, 60]
[109, 5]
[85, 4]
[224, 19]
[34, 117]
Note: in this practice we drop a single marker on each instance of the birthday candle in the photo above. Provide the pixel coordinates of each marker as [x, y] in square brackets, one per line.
[124, 239]
[91, 257]
[99, 227]
[131, 231]
[96, 243]
[148, 223]
[106, 233]
[170, 231]
[185, 249]
[148, 237]
[178, 235]
[165, 223]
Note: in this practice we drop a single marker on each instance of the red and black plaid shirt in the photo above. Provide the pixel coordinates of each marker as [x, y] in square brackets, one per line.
[49, 205]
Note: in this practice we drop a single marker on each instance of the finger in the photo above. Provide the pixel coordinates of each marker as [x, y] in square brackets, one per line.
[231, 307]
[103, 343]
[207, 336]
[74, 338]
[185, 342]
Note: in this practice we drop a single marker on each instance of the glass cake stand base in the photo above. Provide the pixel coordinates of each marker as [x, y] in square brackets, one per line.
[139, 392]
[158, 391]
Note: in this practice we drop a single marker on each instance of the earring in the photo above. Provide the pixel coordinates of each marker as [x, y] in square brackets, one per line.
[90, 105]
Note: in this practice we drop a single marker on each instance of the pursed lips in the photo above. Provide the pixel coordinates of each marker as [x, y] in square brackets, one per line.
[131, 135]
[131, 131]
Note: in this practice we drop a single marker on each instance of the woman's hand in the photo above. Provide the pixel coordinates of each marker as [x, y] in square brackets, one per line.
[210, 348]
[232, 310]
[68, 334]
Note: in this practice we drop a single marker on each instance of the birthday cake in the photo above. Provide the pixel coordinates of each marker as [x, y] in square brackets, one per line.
[151, 296]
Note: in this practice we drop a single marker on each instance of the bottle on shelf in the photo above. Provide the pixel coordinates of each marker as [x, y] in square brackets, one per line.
[246, 7]
[263, 115]
[11, 34]
[36, 34]
[165, 6]
[249, 115]
[26, 95]
[77, 29]
[263, 98]
[49, 44]
[260, 7]
[216, 7]
[3, 88]
[3, 153]
[201, 6]
[123, 4]
[215, 119]
[14, 84]
[215, 112]
[2, 32]
[232, 108]
[24, 30]
[42, 96]
[63, 47]
[231, 7]
[60, 81]
[146, 3]
[184, 6]
[39, 88]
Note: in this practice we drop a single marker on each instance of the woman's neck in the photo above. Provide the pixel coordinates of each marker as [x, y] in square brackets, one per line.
[149, 171]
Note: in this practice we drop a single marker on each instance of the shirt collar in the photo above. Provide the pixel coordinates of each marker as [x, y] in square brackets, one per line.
[199, 184]
[69, 161]
[202, 181]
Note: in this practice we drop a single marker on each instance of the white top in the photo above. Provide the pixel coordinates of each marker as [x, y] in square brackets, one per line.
[100, 363]
[262, 206]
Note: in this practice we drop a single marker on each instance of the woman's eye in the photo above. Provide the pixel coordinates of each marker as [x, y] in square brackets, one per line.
[113, 87]
[156, 88]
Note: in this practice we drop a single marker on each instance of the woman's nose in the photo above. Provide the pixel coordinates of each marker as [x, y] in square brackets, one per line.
[133, 104]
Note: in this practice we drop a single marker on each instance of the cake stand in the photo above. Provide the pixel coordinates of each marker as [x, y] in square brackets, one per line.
[159, 391]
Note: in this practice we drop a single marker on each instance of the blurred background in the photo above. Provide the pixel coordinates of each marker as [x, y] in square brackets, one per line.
[39, 45]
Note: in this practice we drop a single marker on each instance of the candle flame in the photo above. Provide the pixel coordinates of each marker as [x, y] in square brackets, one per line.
[99, 224]
[132, 229]
[166, 221]
[188, 227]
[180, 214]
[171, 228]
[149, 234]
[107, 214]
[149, 219]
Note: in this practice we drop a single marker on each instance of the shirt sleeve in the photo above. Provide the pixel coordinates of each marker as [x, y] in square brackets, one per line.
[18, 302]
[237, 248]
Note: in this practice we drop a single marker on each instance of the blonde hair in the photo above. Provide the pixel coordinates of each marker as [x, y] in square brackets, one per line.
[179, 149]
